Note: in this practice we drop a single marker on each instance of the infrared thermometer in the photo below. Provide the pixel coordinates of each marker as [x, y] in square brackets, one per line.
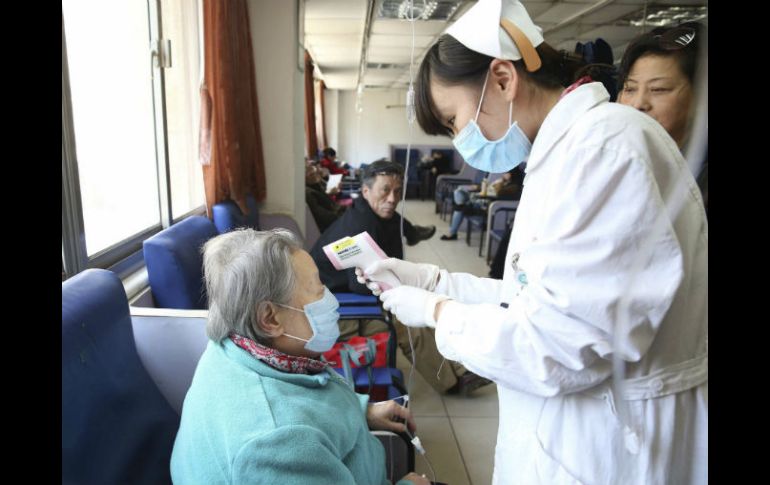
[359, 251]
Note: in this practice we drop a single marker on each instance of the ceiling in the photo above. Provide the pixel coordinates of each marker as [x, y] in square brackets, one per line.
[336, 31]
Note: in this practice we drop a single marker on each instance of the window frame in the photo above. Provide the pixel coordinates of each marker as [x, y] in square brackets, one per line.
[124, 256]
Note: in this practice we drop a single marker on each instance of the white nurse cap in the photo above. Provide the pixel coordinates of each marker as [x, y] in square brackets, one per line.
[500, 29]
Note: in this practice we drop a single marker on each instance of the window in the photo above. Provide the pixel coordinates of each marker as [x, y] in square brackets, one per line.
[180, 24]
[134, 165]
[112, 111]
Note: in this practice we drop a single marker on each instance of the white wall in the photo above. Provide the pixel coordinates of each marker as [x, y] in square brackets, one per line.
[379, 127]
[331, 117]
[281, 104]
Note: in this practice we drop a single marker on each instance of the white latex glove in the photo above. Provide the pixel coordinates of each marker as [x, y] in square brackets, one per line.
[374, 288]
[414, 307]
[420, 275]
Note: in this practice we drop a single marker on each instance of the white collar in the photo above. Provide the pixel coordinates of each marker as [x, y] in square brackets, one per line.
[562, 116]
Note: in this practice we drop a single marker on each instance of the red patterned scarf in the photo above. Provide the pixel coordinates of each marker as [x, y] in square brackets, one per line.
[278, 360]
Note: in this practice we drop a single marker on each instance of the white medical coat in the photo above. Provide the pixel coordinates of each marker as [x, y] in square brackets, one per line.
[600, 178]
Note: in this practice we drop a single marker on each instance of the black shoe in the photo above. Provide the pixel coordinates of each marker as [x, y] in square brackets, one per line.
[421, 234]
[469, 382]
[452, 237]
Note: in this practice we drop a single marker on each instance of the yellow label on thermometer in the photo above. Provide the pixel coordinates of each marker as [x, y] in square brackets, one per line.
[347, 242]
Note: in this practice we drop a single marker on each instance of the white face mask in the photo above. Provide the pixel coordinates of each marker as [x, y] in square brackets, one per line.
[323, 317]
[496, 156]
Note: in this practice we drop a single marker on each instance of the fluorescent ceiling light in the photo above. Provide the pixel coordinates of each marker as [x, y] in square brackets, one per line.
[418, 9]
[658, 16]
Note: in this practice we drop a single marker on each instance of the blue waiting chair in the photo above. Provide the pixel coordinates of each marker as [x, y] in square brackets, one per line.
[175, 264]
[367, 307]
[495, 231]
[116, 425]
[478, 219]
[446, 185]
[227, 215]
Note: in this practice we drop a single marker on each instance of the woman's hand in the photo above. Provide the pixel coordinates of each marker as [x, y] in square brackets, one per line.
[389, 416]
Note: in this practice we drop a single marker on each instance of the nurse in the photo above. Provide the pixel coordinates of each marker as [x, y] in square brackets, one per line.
[607, 260]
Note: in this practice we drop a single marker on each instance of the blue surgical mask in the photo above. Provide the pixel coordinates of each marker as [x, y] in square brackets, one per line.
[492, 156]
[322, 316]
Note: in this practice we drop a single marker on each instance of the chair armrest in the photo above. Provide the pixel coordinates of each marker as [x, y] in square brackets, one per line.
[169, 343]
[500, 206]
[451, 179]
[399, 454]
[445, 187]
[347, 298]
[137, 311]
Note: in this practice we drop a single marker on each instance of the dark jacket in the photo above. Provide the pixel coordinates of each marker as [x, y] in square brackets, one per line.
[358, 218]
[325, 211]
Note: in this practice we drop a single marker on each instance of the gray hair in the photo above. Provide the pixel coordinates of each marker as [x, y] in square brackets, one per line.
[245, 270]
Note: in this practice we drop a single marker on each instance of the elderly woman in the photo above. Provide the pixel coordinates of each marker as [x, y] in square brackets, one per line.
[262, 408]
[657, 75]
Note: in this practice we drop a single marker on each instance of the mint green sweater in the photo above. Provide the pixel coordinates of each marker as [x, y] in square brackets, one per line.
[244, 422]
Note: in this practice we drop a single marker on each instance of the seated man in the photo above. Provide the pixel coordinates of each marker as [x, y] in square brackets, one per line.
[324, 209]
[324, 213]
[375, 213]
[262, 408]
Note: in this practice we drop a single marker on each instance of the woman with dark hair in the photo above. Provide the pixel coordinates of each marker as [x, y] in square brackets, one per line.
[606, 269]
[657, 75]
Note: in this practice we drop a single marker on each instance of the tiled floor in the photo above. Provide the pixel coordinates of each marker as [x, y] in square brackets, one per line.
[450, 255]
[458, 433]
